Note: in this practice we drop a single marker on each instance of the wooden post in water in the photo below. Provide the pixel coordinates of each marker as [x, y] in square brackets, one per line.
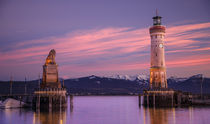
[50, 103]
[154, 100]
[139, 100]
[172, 100]
[71, 103]
[37, 98]
[60, 97]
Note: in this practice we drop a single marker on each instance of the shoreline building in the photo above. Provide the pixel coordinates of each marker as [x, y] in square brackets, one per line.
[50, 93]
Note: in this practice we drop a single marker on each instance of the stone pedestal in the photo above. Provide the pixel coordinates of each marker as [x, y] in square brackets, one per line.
[50, 76]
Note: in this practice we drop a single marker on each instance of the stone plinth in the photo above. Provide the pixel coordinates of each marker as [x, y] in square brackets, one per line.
[50, 72]
[50, 76]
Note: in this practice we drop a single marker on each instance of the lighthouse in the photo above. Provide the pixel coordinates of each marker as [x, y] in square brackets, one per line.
[158, 94]
[158, 78]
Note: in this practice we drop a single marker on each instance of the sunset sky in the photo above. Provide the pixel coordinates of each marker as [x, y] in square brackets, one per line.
[101, 37]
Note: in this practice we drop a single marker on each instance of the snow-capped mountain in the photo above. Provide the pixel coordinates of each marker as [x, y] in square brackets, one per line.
[117, 85]
[174, 79]
[197, 76]
[92, 77]
[131, 78]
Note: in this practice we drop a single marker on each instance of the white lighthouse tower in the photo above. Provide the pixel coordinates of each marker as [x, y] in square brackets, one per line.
[158, 78]
[158, 94]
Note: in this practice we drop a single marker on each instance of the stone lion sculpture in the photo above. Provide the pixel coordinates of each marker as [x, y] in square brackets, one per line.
[51, 57]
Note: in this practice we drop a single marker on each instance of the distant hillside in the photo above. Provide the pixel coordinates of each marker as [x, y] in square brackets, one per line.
[114, 85]
[192, 84]
[18, 87]
[103, 85]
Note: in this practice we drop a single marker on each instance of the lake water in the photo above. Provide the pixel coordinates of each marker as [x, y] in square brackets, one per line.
[108, 110]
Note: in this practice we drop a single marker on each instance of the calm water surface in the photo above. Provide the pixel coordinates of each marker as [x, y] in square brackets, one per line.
[107, 110]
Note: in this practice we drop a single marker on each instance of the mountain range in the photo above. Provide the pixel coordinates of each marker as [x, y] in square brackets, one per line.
[112, 85]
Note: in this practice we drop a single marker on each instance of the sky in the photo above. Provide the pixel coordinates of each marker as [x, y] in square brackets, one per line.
[101, 37]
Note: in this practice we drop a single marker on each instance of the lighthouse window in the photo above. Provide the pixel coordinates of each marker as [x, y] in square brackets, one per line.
[156, 54]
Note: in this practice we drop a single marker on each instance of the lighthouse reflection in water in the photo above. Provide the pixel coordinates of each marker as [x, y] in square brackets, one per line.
[107, 110]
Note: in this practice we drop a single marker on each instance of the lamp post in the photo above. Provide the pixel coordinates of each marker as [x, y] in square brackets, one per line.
[202, 78]
[25, 87]
[39, 82]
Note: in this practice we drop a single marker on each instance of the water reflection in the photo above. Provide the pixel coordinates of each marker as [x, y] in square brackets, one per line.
[174, 115]
[12, 116]
[171, 115]
[190, 115]
[107, 110]
[159, 115]
[53, 117]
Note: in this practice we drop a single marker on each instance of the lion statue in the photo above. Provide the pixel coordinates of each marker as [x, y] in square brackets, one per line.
[51, 57]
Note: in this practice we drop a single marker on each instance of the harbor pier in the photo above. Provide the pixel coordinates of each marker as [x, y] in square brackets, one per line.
[49, 98]
[161, 98]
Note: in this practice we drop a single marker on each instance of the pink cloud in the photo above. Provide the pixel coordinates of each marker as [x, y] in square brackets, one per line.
[112, 44]
[189, 50]
[189, 62]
